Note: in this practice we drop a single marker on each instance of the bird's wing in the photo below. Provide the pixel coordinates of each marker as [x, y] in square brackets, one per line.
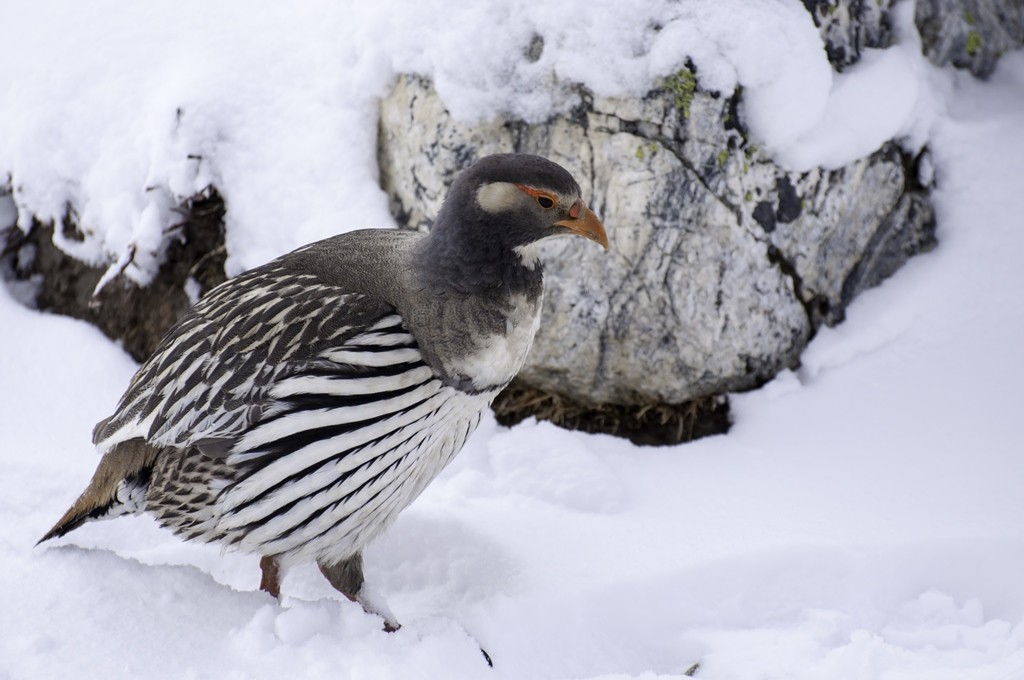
[213, 375]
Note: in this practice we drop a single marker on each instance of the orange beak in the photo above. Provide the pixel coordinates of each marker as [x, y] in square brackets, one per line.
[586, 224]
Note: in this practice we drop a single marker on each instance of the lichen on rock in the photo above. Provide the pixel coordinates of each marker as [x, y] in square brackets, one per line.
[970, 34]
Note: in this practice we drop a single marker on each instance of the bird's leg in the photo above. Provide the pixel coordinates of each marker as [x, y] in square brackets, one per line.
[347, 578]
[271, 579]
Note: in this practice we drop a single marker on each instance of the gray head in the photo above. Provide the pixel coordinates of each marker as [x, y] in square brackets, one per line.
[500, 206]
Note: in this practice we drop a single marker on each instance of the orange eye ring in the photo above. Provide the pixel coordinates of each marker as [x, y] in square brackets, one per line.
[543, 198]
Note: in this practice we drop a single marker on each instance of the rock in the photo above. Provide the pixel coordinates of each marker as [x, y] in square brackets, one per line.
[849, 228]
[49, 279]
[722, 265]
[849, 26]
[970, 34]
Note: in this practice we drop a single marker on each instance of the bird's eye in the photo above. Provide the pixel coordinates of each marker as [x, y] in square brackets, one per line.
[544, 199]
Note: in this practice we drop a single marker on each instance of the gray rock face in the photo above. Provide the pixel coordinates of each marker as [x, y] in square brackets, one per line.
[970, 34]
[848, 26]
[721, 265]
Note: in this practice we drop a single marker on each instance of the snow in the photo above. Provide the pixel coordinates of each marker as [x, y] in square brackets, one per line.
[120, 114]
[861, 520]
[890, 93]
[142, 106]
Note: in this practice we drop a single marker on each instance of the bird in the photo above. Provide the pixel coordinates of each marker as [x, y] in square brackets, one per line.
[297, 408]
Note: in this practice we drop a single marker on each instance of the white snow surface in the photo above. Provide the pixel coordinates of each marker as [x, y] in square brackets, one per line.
[863, 518]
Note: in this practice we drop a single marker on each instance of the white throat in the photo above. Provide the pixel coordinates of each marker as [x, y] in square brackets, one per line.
[528, 254]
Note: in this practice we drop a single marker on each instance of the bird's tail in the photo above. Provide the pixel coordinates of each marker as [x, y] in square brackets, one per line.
[118, 487]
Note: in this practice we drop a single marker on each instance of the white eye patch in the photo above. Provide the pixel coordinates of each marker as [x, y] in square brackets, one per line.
[498, 197]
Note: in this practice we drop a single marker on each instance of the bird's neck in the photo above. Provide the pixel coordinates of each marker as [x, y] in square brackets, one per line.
[484, 268]
[475, 313]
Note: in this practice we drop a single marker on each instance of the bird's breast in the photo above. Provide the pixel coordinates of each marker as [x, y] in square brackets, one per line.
[493, 359]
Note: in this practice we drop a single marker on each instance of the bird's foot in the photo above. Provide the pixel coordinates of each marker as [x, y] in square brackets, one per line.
[271, 578]
[347, 578]
[373, 603]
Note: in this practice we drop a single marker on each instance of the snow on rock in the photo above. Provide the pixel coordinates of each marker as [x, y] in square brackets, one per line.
[889, 94]
[120, 113]
[870, 104]
[275, 106]
[132, 110]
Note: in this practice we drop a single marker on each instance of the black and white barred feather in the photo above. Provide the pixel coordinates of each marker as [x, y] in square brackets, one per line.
[209, 379]
[292, 418]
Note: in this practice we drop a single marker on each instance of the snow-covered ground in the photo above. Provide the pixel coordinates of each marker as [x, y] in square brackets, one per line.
[863, 519]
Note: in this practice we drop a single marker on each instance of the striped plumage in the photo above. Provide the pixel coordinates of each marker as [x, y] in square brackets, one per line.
[297, 408]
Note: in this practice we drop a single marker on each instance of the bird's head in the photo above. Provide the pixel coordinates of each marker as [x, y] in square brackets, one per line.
[508, 202]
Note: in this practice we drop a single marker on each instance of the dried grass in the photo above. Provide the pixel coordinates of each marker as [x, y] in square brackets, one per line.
[646, 424]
